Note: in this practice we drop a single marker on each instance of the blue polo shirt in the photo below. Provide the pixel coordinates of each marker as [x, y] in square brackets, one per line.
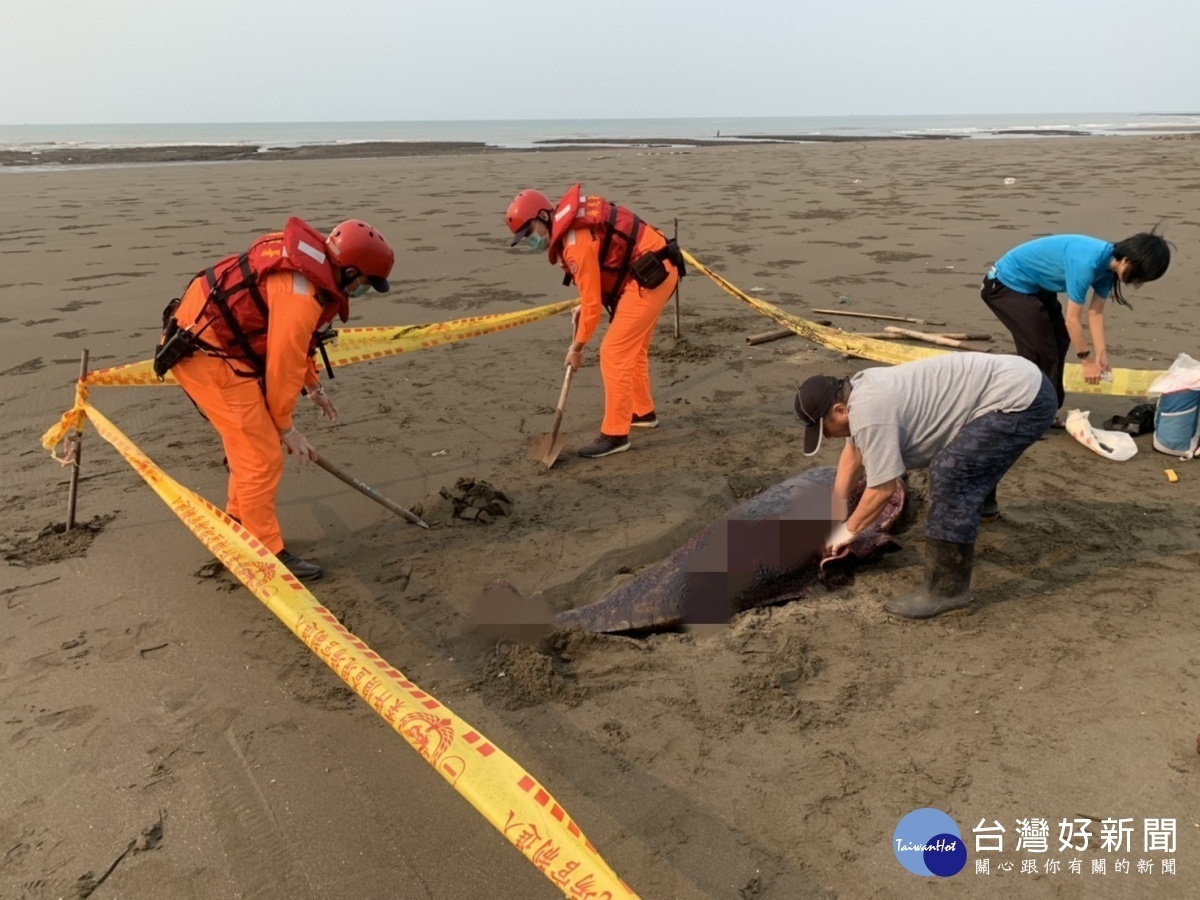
[1062, 263]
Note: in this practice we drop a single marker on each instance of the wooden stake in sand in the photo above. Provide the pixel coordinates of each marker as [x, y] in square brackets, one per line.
[75, 452]
[862, 315]
[677, 283]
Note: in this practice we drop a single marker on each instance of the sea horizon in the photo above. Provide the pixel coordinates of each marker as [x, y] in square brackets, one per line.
[531, 133]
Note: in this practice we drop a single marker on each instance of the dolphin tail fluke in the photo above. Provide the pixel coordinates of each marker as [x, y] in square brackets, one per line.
[503, 613]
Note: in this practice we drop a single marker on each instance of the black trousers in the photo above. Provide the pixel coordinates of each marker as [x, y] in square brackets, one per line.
[970, 468]
[1037, 326]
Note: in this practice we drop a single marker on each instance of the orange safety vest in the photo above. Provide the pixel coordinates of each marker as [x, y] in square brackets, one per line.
[237, 327]
[619, 231]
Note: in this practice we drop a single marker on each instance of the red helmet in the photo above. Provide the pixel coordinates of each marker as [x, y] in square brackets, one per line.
[525, 207]
[355, 244]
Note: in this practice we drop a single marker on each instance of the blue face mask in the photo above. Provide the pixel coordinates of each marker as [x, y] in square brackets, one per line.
[360, 291]
[538, 241]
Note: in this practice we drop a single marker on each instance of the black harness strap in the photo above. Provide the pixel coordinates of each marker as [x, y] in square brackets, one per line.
[605, 245]
[620, 271]
[630, 243]
[220, 297]
[250, 283]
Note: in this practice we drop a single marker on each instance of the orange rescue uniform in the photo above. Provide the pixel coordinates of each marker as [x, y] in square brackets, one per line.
[249, 416]
[624, 352]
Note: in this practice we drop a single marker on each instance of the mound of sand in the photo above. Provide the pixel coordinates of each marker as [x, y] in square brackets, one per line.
[470, 500]
[54, 543]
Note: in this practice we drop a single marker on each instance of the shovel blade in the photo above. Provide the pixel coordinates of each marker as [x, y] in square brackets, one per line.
[541, 446]
[546, 448]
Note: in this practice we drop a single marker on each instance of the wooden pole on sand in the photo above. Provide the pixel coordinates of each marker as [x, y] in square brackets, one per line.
[862, 315]
[756, 339]
[936, 339]
[677, 284]
[75, 441]
[892, 336]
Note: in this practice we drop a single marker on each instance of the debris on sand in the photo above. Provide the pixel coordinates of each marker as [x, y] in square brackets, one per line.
[470, 500]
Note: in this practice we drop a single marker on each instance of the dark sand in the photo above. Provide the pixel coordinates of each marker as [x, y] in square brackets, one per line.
[153, 715]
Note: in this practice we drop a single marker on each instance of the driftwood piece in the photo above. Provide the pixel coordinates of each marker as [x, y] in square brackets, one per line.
[766, 336]
[892, 336]
[888, 318]
[938, 339]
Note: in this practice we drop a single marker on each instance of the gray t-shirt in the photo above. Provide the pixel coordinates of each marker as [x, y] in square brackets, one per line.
[901, 417]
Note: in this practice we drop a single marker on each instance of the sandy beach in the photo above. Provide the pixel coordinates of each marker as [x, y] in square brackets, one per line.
[164, 736]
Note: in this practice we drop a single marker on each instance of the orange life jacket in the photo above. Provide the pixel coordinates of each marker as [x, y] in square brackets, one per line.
[619, 231]
[232, 321]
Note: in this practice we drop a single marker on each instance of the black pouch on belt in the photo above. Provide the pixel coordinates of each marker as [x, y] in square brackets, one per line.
[675, 255]
[175, 344]
[648, 270]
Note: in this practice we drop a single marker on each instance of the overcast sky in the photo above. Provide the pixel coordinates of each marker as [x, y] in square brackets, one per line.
[74, 61]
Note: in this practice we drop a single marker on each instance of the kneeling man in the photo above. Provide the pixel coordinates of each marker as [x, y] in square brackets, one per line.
[966, 417]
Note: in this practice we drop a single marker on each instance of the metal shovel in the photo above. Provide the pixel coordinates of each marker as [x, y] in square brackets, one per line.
[383, 501]
[546, 447]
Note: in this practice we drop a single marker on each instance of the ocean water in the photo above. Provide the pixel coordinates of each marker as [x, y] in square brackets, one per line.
[519, 134]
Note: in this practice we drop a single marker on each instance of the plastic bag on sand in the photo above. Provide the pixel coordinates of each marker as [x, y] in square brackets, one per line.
[1109, 444]
[1184, 375]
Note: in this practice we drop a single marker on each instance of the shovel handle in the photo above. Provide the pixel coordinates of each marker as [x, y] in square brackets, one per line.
[369, 491]
[562, 401]
[562, 395]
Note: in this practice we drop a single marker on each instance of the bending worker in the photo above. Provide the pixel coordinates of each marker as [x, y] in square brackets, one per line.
[1022, 290]
[241, 342]
[966, 416]
[618, 263]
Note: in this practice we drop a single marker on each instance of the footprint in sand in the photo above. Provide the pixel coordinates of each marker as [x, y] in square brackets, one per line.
[67, 718]
[893, 256]
[110, 275]
[30, 365]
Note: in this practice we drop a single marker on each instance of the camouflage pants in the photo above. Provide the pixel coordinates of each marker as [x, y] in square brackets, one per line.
[962, 475]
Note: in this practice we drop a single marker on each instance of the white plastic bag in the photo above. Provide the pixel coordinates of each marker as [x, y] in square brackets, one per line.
[1115, 445]
[1184, 375]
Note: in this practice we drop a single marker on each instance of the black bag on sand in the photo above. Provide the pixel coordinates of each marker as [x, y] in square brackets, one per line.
[1139, 421]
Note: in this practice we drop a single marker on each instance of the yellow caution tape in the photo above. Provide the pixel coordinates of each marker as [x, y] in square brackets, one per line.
[511, 799]
[72, 421]
[1124, 383]
[356, 345]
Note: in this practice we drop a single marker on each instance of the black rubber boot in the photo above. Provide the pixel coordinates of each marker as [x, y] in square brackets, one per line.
[991, 508]
[301, 568]
[605, 445]
[947, 584]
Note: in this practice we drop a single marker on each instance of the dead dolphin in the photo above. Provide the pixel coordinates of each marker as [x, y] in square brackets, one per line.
[767, 550]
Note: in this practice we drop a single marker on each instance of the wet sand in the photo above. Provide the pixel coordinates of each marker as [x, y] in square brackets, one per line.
[157, 716]
[192, 153]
